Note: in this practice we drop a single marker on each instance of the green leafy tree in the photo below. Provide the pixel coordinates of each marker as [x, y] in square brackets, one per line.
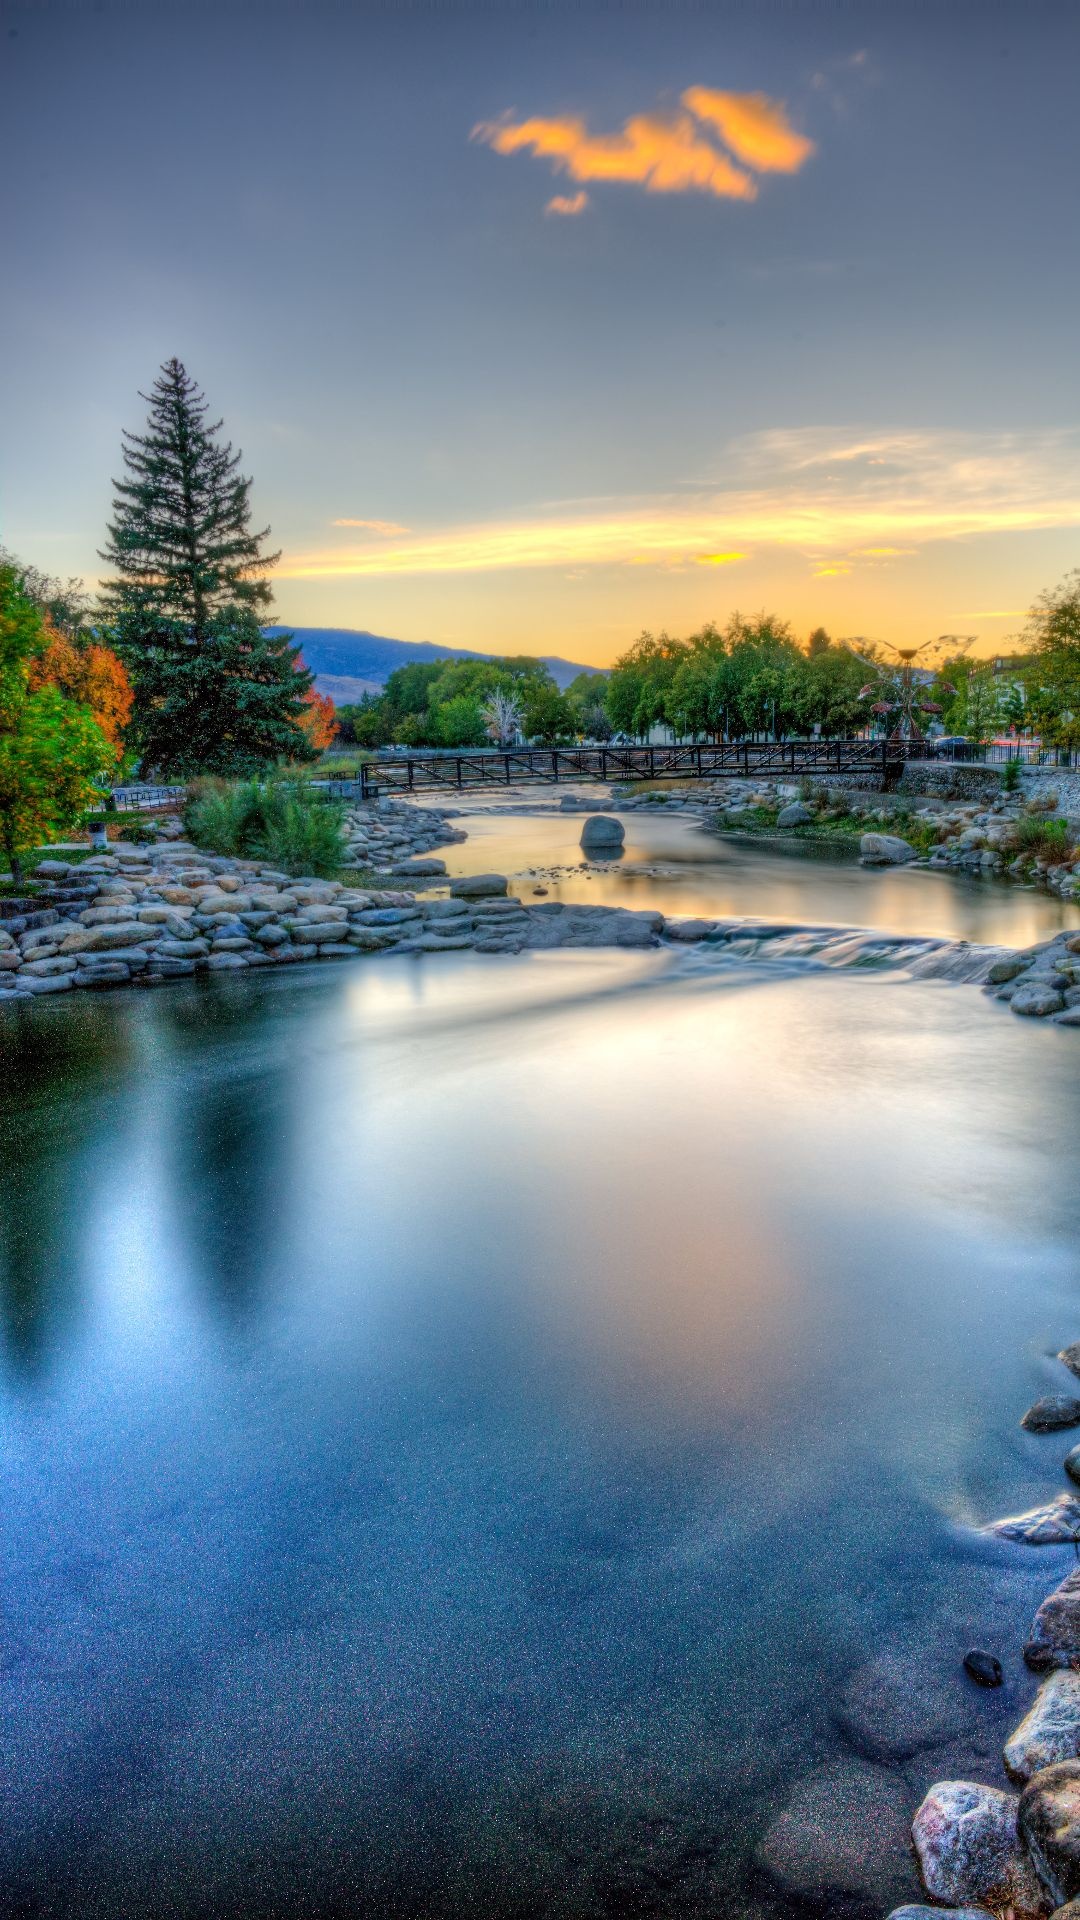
[460, 722]
[185, 609]
[546, 715]
[51, 750]
[1053, 678]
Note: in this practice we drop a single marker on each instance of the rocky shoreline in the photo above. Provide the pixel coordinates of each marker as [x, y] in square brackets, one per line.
[140, 916]
[985, 1851]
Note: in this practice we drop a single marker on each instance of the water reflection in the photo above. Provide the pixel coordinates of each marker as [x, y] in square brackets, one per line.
[507, 1402]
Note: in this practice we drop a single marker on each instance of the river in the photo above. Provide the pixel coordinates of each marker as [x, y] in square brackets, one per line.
[502, 1435]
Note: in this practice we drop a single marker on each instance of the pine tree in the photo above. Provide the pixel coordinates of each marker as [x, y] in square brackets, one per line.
[213, 693]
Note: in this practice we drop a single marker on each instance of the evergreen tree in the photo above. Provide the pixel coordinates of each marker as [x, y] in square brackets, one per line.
[213, 693]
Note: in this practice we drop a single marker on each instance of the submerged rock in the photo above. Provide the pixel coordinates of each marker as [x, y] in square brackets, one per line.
[890, 1710]
[1049, 1731]
[1049, 1825]
[841, 1838]
[1054, 1640]
[1071, 1357]
[967, 1847]
[1052, 1413]
[1053, 1525]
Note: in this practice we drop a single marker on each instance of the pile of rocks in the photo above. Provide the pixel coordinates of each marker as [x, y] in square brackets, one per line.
[1042, 983]
[980, 1849]
[387, 839]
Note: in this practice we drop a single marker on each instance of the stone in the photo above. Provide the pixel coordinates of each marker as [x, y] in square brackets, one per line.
[181, 949]
[1036, 1001]
[840, 1840]
[52, 869]
[967, 1847]
[98, 938]
[602, 833]
[935, 1913]
[41, 969]
[46, 983]
[1049, 1825]
[441, 942]
[795, 815]
[1071, 1016]
[1070, 1357]
[885, 850]
[1053, 1525]
[271, 935]
[1072, 1465]
[689, 929]
[479, 886]
[103, 973]
[983, 1668]
[420, 869]
[225, 962]
[382, 917]
[1050, 1730]
[1054, 1640]
[1003, 971]
[1052, 1414]
[889, 1710]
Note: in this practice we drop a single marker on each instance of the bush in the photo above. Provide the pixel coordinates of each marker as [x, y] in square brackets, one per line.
[1042, 839]
[280, 821]
[1010, 776]
[140, 834]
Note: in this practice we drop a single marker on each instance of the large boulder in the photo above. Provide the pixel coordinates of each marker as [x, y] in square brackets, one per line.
[795, 815]
[1049, 1825]
[1054, 1640]
[602, 833]
[967, 1847]
[1049, 1731]
[885, 850]
[1037, 1001]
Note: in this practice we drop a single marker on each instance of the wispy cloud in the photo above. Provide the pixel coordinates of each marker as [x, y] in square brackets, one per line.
[568, 204]
[719, 559]
[373, 526]
[828, 496]
[664, 153]
[756, 128]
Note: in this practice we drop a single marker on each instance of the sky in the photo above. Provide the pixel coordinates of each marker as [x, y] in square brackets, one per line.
[542, 324]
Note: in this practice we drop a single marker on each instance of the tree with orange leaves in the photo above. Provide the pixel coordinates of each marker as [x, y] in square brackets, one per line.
[89, 674]
[318, 720]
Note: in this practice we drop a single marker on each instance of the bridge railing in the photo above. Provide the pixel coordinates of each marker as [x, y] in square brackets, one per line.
[550, 765]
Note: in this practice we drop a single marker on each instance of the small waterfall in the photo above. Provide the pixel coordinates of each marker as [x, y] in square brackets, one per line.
[798, 948]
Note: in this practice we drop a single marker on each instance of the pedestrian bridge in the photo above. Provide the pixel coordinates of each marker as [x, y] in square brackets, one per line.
[547, 766]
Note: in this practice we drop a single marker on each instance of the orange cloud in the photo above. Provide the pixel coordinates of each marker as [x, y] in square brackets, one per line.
[753, 126]
[663, 154]
[718, 559]
[830, 573]
[567, 204]
[373, 526]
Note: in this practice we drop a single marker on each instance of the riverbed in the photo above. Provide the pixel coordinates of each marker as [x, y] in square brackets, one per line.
[503, 1435]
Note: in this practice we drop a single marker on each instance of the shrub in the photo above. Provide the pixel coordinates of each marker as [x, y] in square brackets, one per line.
[281, 821]
[1010, 775]
[1041, 839]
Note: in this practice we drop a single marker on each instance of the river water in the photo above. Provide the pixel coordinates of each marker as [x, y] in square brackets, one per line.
[502, 1435]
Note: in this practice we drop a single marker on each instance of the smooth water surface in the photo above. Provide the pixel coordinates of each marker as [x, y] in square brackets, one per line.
[671, 862]
[465, 1424]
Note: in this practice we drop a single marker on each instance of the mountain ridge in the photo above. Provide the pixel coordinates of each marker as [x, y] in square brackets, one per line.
[349, 661]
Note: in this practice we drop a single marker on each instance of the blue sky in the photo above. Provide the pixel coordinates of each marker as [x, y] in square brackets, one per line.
[861, 381]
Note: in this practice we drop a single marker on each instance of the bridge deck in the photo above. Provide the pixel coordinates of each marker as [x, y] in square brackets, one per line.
[549, 765]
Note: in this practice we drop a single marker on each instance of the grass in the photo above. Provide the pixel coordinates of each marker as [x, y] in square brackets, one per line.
[1041, 839]
[837, 824]
[279, 821]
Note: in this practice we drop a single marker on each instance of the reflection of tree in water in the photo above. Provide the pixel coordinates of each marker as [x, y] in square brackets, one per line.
[229, 1140]
[56, 1064]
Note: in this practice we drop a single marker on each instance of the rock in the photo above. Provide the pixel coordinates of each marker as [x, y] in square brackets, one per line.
[1070, 1357]
[103, 973]
[885, 850]
[1053, 1525]
[889, 1710]
[1054, 1640]
[967, 1848]
[1052, 1413]
[1049, 1731]
[1070, 1018]
[52, 869]
[1049, 1825]
[602, 833]
[98, 938]
[46, 983]
[225, 962]
[1036, 1001]
[841, 1838]
[478, 886]
[935, 1913]
[796, 815]
[983, 1668]
[1004, 970]
[689, 929]
[418, 869]
[1072, 1465]
[40, 969]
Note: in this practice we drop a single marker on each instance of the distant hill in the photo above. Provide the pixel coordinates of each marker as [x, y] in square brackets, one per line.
[347, 662]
